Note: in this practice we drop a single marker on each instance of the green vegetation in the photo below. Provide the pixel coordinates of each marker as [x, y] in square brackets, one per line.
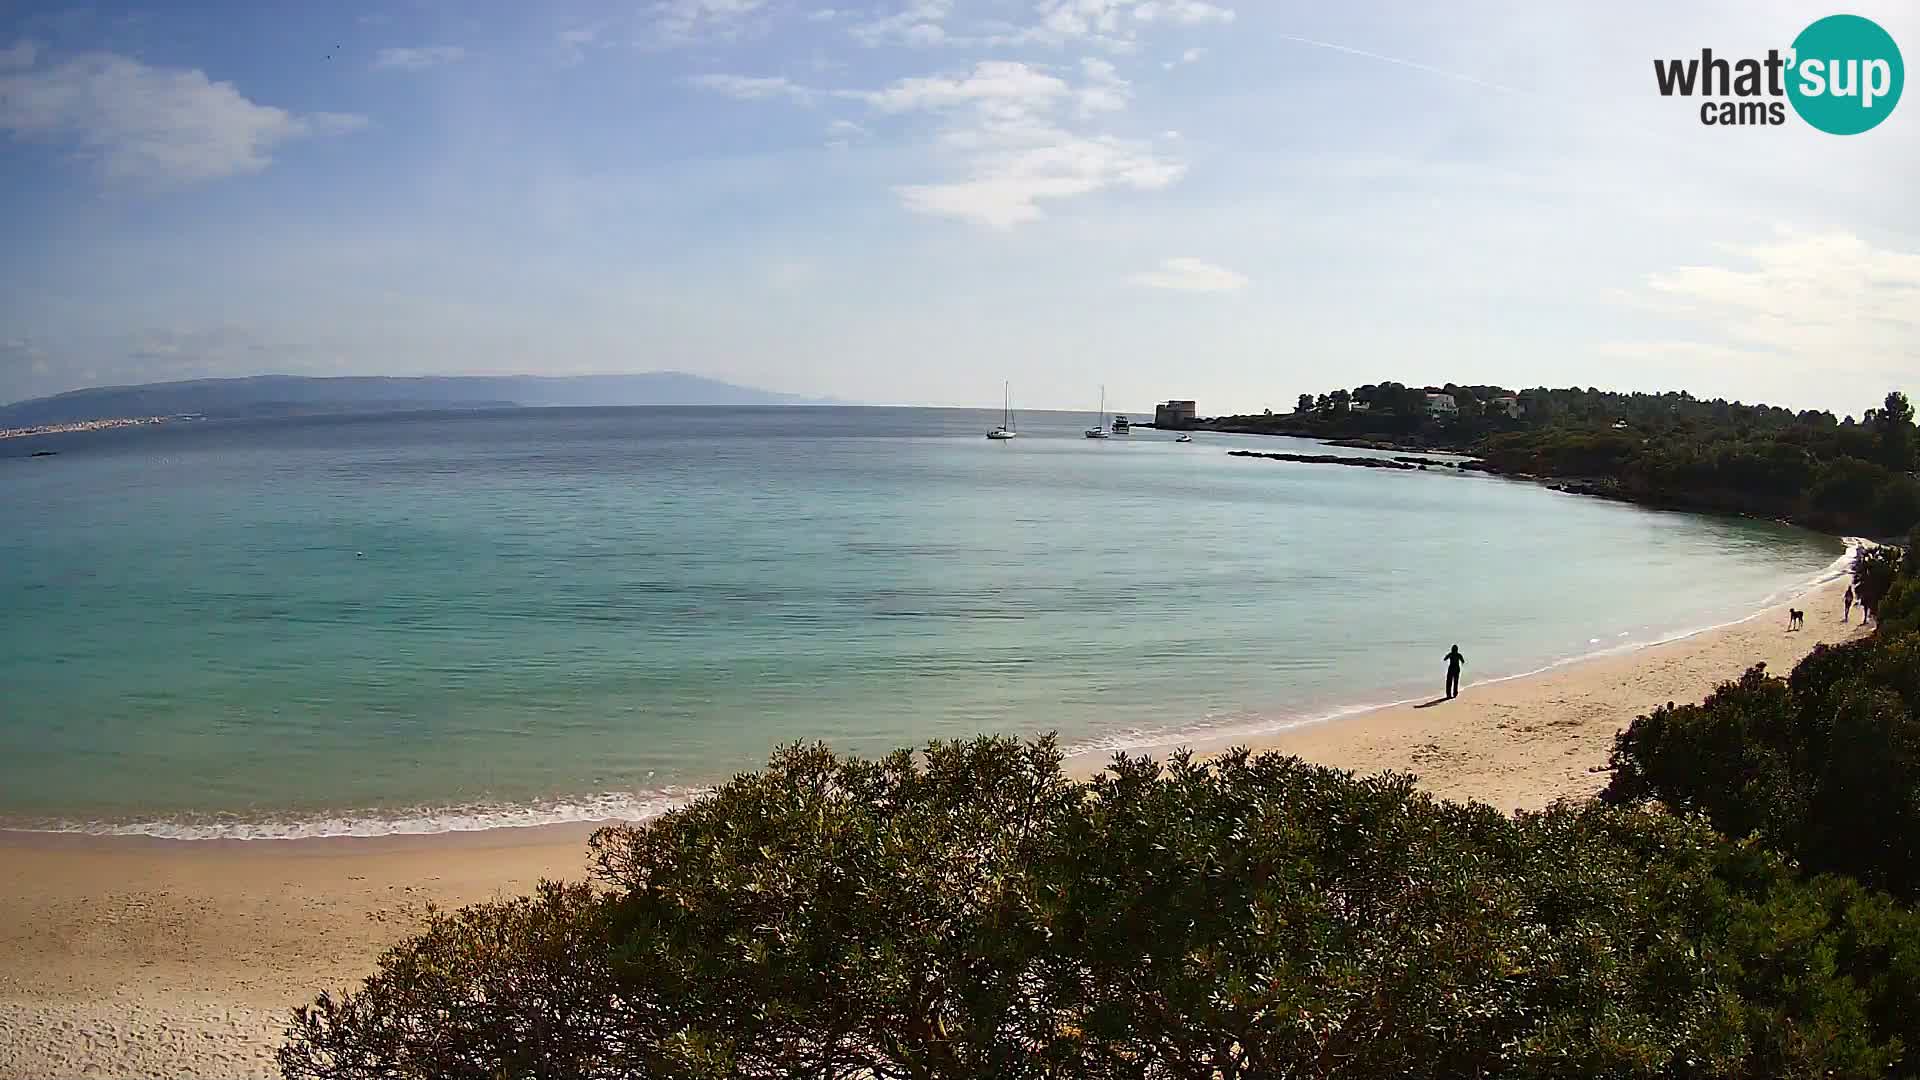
[1824, 765]
[1891, 579]
[972, 912]
[1669, 450]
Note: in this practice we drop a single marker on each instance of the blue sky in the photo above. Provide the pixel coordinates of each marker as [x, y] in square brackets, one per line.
[909, 201]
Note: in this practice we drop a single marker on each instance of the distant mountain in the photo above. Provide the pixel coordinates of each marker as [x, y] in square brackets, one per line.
[289, 395]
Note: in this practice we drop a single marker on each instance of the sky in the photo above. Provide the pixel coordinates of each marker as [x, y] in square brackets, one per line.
[912, 201]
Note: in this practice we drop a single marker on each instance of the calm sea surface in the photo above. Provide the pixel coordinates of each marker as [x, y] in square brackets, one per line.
[347, 625]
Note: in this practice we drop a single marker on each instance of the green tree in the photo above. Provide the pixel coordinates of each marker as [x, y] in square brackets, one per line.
[1893, 428]
[1874, 569]
[1305, 404]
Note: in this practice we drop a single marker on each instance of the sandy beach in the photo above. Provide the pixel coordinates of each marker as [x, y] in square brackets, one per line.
[127, 958]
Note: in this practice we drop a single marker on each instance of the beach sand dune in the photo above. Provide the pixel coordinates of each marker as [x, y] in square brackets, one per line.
[125, 958]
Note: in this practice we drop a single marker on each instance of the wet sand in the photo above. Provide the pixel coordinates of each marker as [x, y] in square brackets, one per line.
[132, 958]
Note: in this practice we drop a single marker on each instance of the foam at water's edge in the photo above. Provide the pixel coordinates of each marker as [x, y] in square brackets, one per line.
[639, 806]
[423, 821]
[1213, 731]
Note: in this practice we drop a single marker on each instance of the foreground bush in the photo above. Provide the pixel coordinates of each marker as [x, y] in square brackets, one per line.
[1824, 765]
[971, 912]
[1899, 607]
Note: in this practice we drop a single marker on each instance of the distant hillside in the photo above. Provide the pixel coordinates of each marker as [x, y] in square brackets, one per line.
[287, 395]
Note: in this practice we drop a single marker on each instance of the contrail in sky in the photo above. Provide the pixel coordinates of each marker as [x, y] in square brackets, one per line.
[1443, 73]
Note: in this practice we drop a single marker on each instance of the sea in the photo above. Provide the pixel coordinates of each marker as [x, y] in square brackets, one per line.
[432, 622]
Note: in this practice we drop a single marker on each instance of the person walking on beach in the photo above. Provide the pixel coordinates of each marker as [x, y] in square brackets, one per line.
[1848, 601]
[1454, 660]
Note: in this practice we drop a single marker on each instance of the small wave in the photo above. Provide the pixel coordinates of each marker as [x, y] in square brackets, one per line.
[418, 821]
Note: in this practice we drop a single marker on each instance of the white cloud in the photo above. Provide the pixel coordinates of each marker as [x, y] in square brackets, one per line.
[1808, 300]
[919, 23]
[1008, 184]
[1191, 56]
[842, 134]
[999, 86]
[1111, 24]
[1192, 275]
[686, 21]
[419, 59]
[1006, 135]
[753, 87]
[1105, 91]
[1182, 12]
[140, 123]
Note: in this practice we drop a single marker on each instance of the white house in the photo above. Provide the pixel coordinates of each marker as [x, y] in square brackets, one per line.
[1509, 405]
[1442, 405]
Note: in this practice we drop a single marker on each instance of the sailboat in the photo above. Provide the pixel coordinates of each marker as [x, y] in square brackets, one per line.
[1098, 430]
[1005, 430]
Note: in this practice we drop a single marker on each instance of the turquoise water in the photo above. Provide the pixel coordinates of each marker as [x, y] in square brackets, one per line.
[448, 621]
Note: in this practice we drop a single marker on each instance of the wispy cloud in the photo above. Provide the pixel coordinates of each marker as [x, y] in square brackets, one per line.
[1458, 76]
[754, 87]
[1192, 275]
[843, 133]
[1006, 132]
[418, 59]
[1105, 90]
[1819, 300]
[141, 123]
[680, 22]
[1111, 24]
[919, 23]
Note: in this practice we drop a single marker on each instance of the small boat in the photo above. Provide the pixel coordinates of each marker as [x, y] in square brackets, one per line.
[1005, 431]
[1121, 425]
[1097, 431]
[1184, 437]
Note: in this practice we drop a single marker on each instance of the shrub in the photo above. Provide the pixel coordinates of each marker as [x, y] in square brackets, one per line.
[971, 912]
[1874, 572]
[1825, 765]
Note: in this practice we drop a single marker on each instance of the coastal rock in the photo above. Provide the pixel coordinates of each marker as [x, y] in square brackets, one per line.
[1327, 459]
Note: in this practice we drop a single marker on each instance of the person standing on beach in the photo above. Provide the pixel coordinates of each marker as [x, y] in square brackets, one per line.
[1848, 601]
[1454, 661]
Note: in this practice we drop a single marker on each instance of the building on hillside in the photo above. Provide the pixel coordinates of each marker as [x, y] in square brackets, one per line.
[1360, 406]
[1509, 405]
[1173, 414]
[1442, 404]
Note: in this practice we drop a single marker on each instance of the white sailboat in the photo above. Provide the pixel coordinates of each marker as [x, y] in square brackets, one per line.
[1005, 430]
[1098, 430]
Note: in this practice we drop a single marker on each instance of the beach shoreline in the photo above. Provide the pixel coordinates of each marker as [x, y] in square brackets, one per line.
[141, 956]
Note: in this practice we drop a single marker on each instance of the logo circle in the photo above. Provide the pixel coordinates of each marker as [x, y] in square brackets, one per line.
[1846, 75]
